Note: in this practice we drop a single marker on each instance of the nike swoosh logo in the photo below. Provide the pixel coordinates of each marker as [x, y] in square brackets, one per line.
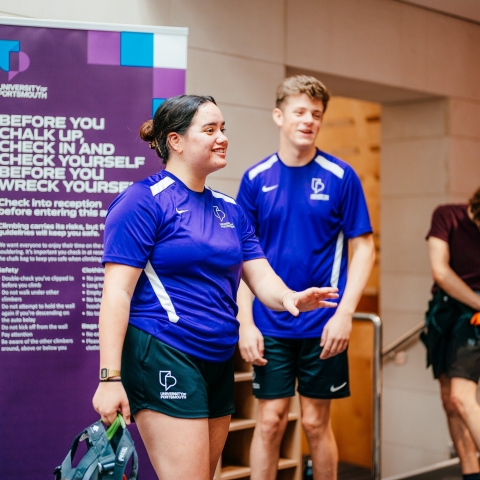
[335, 389]
[268, 189]
[181, 211]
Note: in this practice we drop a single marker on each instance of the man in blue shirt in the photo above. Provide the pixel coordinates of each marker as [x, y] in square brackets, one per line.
[307, 207]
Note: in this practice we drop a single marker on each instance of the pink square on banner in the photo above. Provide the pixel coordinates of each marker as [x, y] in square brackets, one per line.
[168, 82]
[103, 48]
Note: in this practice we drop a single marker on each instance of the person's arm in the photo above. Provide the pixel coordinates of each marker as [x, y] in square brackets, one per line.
[119, 285]
[336, 333]
[251, 339]
[269, 288]
[445, 277]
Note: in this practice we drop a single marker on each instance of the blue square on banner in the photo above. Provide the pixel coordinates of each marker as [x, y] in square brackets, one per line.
[156, 102]
[136, 49]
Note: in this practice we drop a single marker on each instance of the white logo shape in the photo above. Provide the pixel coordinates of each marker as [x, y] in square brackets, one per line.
[317, 185]
[166, 379]
[95, 428]
[266, 189]
[181, 211]
[218, 213]
[335, 389]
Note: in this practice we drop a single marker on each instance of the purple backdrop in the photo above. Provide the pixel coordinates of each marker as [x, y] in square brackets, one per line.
[51, 230]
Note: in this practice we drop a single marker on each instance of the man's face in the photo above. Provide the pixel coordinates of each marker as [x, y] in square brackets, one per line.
[299, 120]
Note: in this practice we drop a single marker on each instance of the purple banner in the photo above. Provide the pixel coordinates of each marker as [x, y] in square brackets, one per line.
[71, 103]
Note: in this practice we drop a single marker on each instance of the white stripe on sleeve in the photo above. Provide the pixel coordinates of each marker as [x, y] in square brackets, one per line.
[330, 166]
[262, 167]
[161, 185]
[337, 261]
[161, 293]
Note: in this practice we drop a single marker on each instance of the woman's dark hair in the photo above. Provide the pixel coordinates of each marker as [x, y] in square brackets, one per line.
[174, 115]
[474, 203]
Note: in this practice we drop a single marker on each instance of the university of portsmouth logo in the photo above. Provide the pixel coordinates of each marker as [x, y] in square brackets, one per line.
[167, 381]
[12, 59]
[218, 213]
[317, 187]
[221, 215]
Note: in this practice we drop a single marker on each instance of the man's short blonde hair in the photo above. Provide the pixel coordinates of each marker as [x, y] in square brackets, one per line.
[313, 87]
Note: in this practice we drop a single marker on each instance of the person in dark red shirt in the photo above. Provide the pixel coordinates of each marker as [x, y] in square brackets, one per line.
[452, 334]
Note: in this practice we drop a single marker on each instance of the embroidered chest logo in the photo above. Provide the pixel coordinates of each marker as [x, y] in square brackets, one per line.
[317, 187]
[221, 215]
[167, 381]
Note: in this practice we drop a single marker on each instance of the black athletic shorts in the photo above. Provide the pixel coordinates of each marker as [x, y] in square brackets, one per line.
[453, 344]
[289, 360]
[161, 378]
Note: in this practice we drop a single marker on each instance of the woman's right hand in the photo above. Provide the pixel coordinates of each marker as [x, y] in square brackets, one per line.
[251, 344]
[109, 399]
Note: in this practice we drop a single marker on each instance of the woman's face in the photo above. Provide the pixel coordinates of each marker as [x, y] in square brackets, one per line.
[204, 145]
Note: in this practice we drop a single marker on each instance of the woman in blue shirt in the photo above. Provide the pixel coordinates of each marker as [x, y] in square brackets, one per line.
[175, 251]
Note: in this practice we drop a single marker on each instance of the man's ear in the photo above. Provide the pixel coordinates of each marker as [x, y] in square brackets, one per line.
[277, 115]
[174, 141]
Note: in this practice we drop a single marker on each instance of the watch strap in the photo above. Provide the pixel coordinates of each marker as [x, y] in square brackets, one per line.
[106, 373]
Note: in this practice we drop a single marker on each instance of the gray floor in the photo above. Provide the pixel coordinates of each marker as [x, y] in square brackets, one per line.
[347, 471]
[353, 472]
[447, 473]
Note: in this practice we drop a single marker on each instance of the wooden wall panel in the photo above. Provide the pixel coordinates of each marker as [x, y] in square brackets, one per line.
[351, 131]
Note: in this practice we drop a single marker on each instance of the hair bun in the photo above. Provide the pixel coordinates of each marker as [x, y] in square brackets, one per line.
[146, 132]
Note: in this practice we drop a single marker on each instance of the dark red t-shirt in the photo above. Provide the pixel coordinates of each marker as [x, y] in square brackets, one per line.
[452, 224]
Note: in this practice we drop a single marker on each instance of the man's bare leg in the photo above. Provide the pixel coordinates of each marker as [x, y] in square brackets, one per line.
[459, 431]
[318, 429]
[272, 420]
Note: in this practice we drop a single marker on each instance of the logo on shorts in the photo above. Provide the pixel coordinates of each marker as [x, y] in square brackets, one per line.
[336, 389]
[317, 187]
[221, 215]
[167, 381]
[255, 385]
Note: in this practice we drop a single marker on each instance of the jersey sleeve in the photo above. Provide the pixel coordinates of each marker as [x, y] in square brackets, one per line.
[246, 199]
[130, 228]
[440, 226]
[251, 249]
[354, 211]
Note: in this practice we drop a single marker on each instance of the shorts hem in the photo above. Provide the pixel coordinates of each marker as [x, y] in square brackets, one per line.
[325, 396]
[155, 408]
[273, 397]
[465, 376]
[230, 411]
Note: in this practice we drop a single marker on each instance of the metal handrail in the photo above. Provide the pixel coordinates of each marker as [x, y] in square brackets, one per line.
[377, 388]
[409, 335]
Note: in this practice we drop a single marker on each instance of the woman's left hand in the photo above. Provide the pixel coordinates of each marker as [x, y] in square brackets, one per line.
[310, 299]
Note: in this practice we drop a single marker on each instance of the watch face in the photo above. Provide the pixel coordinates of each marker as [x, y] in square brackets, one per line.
[104, 373]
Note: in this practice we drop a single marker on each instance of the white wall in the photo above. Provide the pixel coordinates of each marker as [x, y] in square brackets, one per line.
[233, 55]
[379, 50]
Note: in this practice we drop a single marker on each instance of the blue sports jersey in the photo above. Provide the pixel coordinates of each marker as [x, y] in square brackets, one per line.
[303, 217]
[191, 247]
